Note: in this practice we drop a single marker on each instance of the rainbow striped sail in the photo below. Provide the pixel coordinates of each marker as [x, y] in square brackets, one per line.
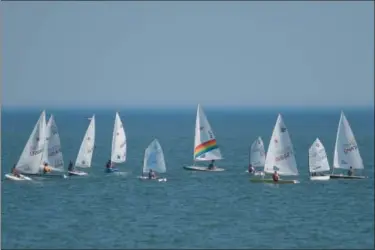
[205, 145]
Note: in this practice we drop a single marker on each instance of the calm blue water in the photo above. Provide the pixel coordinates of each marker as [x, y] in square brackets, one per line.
[197, 210]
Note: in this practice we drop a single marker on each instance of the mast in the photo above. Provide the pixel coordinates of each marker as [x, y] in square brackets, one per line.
[249, 154]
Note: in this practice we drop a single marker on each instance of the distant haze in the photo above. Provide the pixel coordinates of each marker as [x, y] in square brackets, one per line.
[126, 54]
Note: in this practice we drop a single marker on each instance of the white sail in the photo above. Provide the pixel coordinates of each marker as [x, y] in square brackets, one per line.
[205, 146]
[32, 155]
[53, 145]
[257, 153]
[280, 154]
[118, 154]
[45, 150]
[318, 161]
[154, 158]
[87, 146]
[346, 152]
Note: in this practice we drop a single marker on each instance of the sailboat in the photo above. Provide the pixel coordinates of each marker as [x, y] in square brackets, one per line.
[30, 161]
[52, 150]
[86, 150]
[153, 160]
[118, 153]
[205, 146]
[346, 152]
[318, 162]
[280, 155]
[257, 155]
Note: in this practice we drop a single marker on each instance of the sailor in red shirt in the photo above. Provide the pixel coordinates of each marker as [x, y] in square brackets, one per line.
[275, 176]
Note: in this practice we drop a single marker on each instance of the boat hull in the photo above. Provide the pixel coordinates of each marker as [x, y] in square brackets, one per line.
[76, 173]
[198, 168]
[257, 173]
[145, 178]
[320, 178]
[263, 180]
[15, 178]
[47, 175]
[341, 176]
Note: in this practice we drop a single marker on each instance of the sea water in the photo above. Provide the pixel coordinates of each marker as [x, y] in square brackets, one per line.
[191, 209]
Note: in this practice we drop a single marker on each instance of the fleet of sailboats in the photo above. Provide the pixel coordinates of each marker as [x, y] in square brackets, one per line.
[43, 149]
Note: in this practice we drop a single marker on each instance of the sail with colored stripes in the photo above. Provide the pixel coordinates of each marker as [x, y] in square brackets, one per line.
[205, 145]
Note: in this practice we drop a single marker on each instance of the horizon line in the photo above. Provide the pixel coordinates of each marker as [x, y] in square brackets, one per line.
[186, 107]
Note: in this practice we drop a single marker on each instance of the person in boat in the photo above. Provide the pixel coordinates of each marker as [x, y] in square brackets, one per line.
[151, 174]
[46, 169]
[251, 169]
[70, 166]
[313, 174]
[275, 176]
[15, 171]
[211, 165]
[350, 171]
[109, 164]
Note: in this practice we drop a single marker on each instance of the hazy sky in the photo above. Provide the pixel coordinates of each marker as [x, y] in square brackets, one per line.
[182, 53]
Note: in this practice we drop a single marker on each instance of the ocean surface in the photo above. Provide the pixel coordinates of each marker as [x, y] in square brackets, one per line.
[191, 209]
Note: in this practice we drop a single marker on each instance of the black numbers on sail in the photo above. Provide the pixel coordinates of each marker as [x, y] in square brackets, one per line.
[282, 157]
[347, 150]
[36, 152]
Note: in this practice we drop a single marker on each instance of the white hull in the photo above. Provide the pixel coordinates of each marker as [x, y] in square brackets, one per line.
[201, 168]
[341, 176]
[320, 178]
[153, 179]
[78, 173]
[257, 173]
[15, 178]
[264, 180]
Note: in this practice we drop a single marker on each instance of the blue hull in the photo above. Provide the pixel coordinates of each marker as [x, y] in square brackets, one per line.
[111, 170]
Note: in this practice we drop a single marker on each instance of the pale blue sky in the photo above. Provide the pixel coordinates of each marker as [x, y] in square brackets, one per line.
[126, 54]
